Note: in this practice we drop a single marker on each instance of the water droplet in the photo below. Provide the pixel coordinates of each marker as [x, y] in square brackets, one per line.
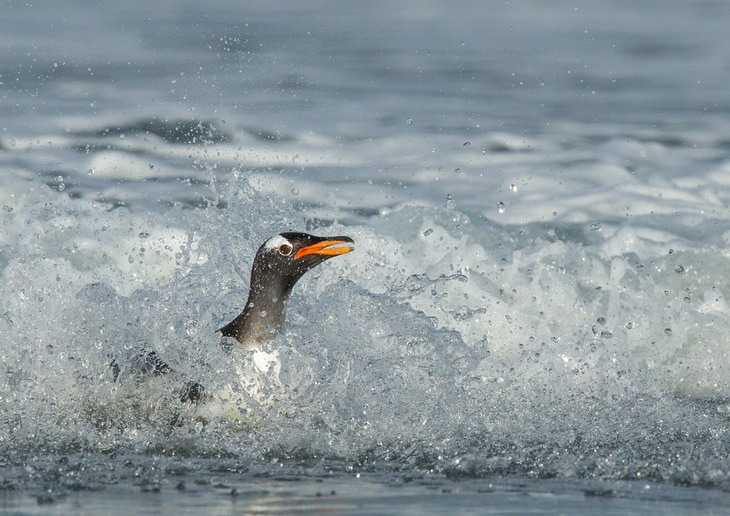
[143, 235]
[606, 335]
[7, 208]
[409, 121]
[450, 202]
[679, 269]
[466, 144]
[601, 321]
[294, 191]
[61, 187]
[629, 326]
[513, 188]
[596, 226]
[687, 300]
[121, 136]
[130, 259]
[427, 232]
[500, 207]
[668, 332]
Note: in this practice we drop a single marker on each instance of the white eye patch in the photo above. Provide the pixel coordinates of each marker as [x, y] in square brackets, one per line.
[275, 242]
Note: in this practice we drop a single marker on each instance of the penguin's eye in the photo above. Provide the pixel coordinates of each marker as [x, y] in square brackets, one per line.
[285, 249]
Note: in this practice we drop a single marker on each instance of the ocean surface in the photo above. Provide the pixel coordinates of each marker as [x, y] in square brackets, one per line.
[535, 319]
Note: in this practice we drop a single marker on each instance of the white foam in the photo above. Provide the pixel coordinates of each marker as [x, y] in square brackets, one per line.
[510, 328]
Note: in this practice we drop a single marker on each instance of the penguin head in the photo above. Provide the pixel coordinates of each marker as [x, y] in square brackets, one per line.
[286, 257]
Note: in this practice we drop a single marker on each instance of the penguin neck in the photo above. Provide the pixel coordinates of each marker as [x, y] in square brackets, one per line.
[263, 317]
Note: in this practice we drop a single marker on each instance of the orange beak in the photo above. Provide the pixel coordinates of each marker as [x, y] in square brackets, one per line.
[327, 248]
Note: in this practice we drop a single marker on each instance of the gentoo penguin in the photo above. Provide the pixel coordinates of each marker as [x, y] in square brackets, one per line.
[277, 266]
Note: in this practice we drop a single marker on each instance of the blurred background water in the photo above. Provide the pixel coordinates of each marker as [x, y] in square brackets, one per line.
[539, 196]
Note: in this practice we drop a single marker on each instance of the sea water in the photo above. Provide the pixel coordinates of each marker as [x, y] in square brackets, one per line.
[534, 319]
